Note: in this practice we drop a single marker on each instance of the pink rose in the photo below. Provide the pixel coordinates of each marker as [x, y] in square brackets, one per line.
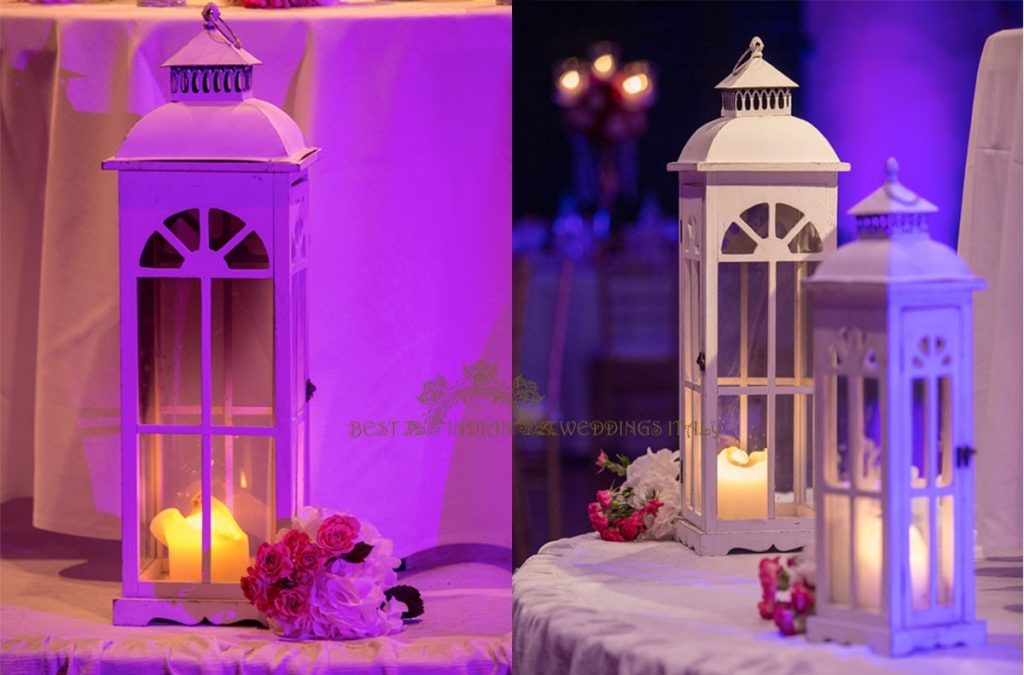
[802, 597]
[631, 526]
[337, 534]
[604, 498]
[273, 561]
[768, 570]
[766, 608]
[784, 618]
[610, 534]
[291, 604]
[652, 506]
[295, 540]
[597, 518]
[602, 460]
[254, 588]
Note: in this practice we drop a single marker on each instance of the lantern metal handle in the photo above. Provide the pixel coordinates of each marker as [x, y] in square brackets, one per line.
[211, 17]
[754, 51]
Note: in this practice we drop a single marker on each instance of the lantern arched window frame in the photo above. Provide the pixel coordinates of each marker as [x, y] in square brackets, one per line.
[757, 212]
[894, 433]
[213, 205]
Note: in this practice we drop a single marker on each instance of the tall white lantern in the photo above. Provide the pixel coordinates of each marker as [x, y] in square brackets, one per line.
[214, 370]
[894, 482]
[757, 212]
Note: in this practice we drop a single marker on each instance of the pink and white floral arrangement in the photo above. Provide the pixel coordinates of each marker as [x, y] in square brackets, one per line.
[787, 592]
[645, 505]
[330, 577]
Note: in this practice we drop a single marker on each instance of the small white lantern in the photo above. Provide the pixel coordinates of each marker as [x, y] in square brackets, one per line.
[757, 212]
[214, 369]
[894, 485]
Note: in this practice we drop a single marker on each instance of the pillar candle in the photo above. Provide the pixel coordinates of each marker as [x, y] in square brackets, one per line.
[229, 555]
[742, 484]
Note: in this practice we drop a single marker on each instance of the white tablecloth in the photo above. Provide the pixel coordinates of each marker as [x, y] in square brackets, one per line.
[410, 263]
[583, 606]
[991, 230]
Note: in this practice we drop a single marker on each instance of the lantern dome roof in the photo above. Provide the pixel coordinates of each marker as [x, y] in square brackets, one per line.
[892, 245]
[757, 130]
[246, 130]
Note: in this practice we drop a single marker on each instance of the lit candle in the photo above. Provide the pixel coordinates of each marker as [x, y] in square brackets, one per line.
[869, 559]
[229, 555]
[742, 484]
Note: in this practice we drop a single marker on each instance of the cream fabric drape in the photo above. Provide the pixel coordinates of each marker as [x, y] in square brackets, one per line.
[990, 240]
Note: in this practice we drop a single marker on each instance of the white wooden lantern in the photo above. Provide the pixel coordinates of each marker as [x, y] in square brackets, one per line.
[894, 494]
[757, 212]
[214, 370]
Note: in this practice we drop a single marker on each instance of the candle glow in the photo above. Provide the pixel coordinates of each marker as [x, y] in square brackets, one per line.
[183, 537]
[742, 484]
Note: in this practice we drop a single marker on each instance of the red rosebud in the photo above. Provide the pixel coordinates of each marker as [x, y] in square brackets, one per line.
[632, 526]
[602, 460]
[273, 562]
[338, 534]
[604, 498]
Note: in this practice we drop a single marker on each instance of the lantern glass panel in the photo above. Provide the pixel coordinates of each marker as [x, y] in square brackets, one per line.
[920, 535]
[868, 464]
[837, 464]
[945, 424]
[742, 323]
[741, 461]
[837, 550]
[919, 423]
[185, 227]
[169, 531]
[298, 327]
[793, 354]
[692, 439]
[243, 471]
[242, 349]
[169, 351]
[867, 553]
[793, 470]
[947, 546]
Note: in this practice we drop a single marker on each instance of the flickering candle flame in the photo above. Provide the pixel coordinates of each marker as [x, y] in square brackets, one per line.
[636, 84]
[183, 537]
[742, 484]
[570, 80]
[604, 64]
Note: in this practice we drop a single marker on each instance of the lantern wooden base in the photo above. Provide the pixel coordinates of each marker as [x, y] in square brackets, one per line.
[720, 543]
[895, 643]
[141, 611]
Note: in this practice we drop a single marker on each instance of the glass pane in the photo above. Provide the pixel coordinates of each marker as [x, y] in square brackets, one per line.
[242, 344]
[868, 554]
[185, 226]
[696, 321]
[697, 434]
[945, 424]
[807, 240]
[169, 351]
[158, 253]
[687, 352]
[918, 432]
[249, 254]
[786, 218]
[837, 449]
[242, 516]
[737, 241]
[757, 218]
[837, 550]
[223, 227]
[793, 479]
[743, 322]
[741, 463]
[947, 547]
[793, 328]
[170, 537]
[919, 563]
[688, 441]
[868, 471]
[300, 371]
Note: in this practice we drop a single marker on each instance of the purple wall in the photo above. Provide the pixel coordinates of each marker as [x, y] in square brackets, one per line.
[897, 78]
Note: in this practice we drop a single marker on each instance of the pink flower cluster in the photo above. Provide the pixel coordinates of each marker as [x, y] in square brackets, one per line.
[329, 577]
[613, 516]
[787, 598]
[278, 4]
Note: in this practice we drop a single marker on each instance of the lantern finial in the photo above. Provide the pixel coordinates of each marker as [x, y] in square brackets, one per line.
[756, 48]
[892, 169]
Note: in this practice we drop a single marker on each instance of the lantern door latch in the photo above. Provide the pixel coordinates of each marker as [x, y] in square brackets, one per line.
[310, 390]
[964, 454]
[700, 361]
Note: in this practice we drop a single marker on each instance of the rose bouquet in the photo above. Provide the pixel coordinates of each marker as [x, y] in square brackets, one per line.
[330, 577]
[646, 505]
[787, 592]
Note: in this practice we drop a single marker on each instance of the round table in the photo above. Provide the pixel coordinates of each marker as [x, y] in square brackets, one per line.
[410, 240]
[583, 606]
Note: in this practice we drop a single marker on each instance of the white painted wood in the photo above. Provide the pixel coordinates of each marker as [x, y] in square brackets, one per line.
[229, 151]
[894, 307]
[756, 153]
